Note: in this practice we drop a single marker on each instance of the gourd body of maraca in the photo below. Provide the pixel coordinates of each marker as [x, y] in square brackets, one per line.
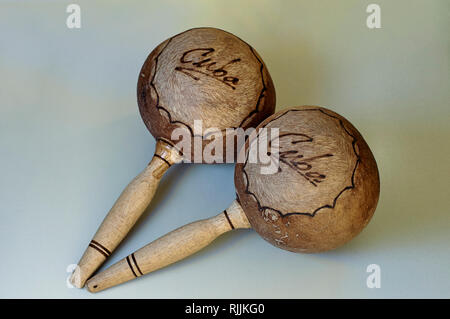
[320, 191]
[202, 76]
[325, 189]
[206, 75]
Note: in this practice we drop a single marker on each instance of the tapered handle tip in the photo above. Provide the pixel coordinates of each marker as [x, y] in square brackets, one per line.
[75, 278]
[89, 263]
[93, 286]
[114, 275]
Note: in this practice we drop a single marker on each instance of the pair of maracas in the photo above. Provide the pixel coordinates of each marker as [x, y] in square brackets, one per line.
[323, 192]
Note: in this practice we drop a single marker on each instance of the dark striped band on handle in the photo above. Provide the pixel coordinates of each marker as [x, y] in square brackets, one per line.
[159, 139]
[131, 267]
[167, 142]
[228, 218]
[166, 161]
[100, 248]
[130, 264]
[135, 263]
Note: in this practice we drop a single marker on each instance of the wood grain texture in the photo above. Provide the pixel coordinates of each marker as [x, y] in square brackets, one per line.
[130, 205]
[170, 248]
[204, 74]
[323, 194]
[201, 74]
[327, 186]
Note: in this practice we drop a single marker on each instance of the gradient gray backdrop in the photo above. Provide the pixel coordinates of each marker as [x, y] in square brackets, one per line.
[71, 138]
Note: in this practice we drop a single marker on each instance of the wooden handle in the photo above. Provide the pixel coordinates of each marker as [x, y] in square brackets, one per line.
[126, 211]
[170, 248]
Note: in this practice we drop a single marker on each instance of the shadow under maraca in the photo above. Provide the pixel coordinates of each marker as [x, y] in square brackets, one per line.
[222, 244]
[403, 220]
[411, 215]
[164, 193]
[171, 194]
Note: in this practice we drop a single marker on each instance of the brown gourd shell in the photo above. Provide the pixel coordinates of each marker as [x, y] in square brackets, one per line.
[203, 74]
[325, 189]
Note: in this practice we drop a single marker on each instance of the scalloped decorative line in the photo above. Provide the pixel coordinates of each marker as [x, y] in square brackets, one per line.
[358, 160]
[169, 116]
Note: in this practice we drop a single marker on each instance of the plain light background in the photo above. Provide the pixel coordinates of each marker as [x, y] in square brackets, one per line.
[71, 139]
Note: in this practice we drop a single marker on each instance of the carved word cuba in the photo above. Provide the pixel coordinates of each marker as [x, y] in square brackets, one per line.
[298, 162]
[201, 61]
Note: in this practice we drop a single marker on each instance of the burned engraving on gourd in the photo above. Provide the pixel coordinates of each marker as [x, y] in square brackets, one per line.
[298, 162]
[183, 81]
[203, 62]
[317, 161]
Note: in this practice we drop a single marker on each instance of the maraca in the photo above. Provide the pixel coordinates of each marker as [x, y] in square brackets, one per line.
[202, 74]
[322, 194]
